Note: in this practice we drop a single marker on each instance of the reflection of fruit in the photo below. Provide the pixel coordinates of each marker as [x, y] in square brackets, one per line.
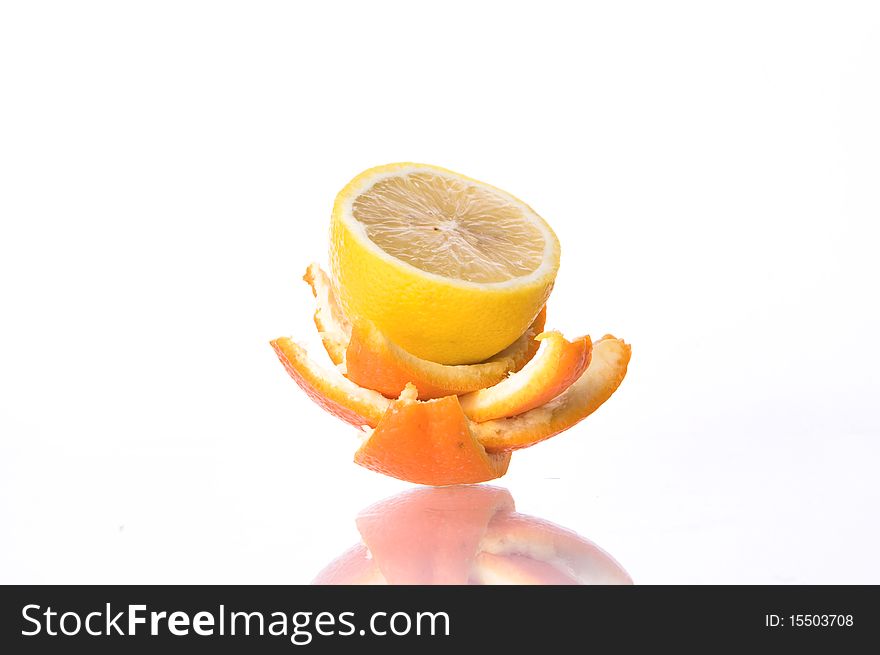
[429, 443]
[431, 536]
[374, 362]
[558, 365]
[466, 534]
[355, 566]
[518, 569]
[519, 549]
[409, 238]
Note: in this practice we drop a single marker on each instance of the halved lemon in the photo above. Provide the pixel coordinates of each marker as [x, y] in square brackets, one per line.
[451, 269]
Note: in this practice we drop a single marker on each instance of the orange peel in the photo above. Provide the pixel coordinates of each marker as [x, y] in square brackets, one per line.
[329, 389]
[373, 361]
[610, 358]
[333, 328]
[365, 407]
[429, 443]
[558, 364]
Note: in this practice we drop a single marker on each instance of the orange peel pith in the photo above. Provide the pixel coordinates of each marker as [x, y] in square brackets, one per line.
[333, 328]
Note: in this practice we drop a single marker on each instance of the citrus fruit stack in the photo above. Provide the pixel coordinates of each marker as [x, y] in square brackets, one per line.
[433, 316]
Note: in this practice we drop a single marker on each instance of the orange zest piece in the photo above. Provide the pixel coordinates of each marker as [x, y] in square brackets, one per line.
[429, 443]
[329, 389]
[610, 357]
[558, 364]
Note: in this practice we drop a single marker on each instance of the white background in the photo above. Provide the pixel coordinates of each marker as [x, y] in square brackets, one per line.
[167, 171]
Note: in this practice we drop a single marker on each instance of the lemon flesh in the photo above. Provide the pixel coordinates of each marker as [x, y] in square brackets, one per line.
[449, 227]
[451, 269]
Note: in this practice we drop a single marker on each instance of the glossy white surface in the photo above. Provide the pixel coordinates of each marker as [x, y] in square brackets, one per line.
[167, 172]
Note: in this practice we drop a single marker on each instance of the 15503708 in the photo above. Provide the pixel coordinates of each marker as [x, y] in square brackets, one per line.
[821, 620]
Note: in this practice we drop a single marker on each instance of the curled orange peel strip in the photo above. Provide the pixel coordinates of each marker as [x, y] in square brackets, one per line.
[610, 358]
[329, 388]
[557, 365]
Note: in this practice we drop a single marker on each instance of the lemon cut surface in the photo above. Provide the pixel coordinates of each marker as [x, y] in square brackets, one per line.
[451, 269]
